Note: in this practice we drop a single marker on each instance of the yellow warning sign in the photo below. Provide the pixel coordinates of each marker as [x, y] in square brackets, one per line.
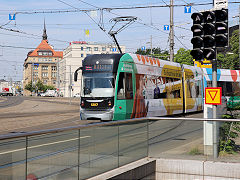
[213, 95]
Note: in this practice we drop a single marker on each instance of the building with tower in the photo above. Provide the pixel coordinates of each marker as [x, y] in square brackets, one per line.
[41, 64]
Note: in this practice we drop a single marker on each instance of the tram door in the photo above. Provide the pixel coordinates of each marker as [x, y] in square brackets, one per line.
[125, 93]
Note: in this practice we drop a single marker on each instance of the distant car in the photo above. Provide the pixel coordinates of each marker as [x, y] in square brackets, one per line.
[76, 95]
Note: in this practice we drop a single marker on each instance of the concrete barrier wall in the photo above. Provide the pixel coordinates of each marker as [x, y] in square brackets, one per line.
[173, 169]
[195, 169]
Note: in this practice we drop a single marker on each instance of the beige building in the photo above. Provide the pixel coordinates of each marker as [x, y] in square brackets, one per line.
[72, 59]
[41, 64]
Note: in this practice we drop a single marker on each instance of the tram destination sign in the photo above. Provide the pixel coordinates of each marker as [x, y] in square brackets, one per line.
[98, 67]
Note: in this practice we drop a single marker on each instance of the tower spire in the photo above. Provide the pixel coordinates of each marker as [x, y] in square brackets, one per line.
[44, 36]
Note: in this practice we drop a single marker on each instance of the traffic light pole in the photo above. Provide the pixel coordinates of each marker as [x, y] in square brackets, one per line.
[215, 125]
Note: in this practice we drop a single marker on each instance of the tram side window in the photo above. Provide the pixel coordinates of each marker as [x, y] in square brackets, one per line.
[125, 87]
[173, 86]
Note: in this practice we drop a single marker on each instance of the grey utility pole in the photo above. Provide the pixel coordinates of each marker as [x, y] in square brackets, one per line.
[151, 45]
[215, 123]
[238, 33]
[171, 33]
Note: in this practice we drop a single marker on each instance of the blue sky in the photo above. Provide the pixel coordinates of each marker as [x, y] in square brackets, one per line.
[63, 28]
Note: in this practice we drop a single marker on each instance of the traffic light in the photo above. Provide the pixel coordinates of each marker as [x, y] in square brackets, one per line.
[210, 31]
[197, 39]
[221, 28]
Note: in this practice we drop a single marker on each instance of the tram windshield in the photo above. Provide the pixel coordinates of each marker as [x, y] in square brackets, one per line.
[98, 85]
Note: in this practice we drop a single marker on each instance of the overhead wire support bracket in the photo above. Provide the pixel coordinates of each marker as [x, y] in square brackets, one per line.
[128, 19]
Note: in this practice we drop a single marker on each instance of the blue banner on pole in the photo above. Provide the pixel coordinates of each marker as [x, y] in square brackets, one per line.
[187, 9]
[143, 48]
[166, 27]
[12, 17]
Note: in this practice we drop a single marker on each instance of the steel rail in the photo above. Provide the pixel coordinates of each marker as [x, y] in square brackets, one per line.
[109, 123]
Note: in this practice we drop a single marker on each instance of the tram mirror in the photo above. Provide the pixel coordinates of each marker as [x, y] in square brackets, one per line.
[75, 76]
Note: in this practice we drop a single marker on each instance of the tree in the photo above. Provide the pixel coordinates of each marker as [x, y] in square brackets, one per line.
[50, 87]
[29, 87]
[40, 85]
[156, 52]
[183, 56]
[230, 60]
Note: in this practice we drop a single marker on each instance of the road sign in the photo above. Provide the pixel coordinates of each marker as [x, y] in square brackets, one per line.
[187, 9]
[166, 27]
[12, 17]
[36, 64]
[213, 95]
[114, 49]
[219, 4]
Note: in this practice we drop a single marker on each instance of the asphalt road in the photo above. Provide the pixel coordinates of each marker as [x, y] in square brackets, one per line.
[24, 114]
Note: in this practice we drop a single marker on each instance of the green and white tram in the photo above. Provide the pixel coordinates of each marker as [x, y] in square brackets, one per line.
[123, 86]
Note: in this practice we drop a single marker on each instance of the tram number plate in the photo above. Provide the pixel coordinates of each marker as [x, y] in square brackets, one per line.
[94, 104]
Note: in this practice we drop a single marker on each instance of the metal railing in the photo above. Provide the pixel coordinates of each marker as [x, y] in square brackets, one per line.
[83, 151]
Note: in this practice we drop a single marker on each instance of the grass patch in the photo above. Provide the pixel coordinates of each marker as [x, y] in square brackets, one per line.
[195, 151]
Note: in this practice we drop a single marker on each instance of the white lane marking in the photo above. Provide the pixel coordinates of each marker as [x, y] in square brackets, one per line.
[31, 147]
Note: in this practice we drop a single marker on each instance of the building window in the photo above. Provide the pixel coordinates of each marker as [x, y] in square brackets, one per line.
[44, 81]
[44, 67]
[54, 81]
[45, 53]
[54, 68]
[103, 48]
[95, 48]
[39, 59]
[81, 48]
[35, 67]
[89, 48]
[54, 74]
[44, 74]
[35, 74]
[50, 59]
[40, 53]
[81, 55]
[50, 53]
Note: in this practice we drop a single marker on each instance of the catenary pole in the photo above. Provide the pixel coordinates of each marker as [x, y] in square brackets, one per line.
[171, 33]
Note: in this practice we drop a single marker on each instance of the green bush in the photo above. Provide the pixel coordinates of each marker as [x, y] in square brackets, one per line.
[229, 131]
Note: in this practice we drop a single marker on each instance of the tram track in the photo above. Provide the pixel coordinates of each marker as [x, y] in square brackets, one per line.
[9, 101]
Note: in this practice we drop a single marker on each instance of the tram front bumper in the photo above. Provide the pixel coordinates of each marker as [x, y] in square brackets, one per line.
[96, 115]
